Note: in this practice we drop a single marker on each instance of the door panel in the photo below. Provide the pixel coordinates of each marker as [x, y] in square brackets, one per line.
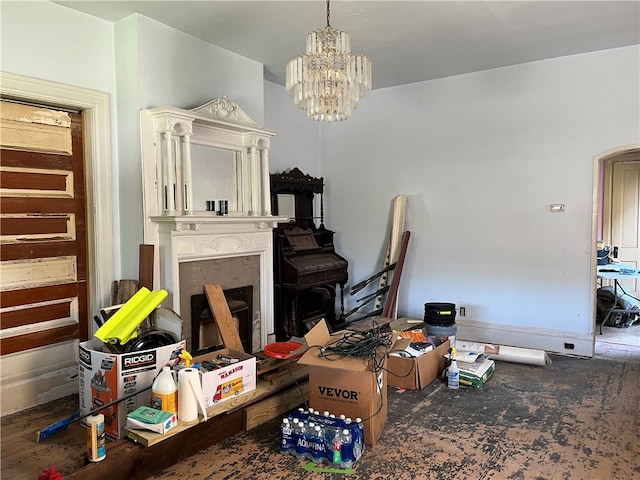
[625, 217]
[43, 288]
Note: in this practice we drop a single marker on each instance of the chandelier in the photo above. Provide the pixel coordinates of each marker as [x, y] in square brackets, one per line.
[328, 80]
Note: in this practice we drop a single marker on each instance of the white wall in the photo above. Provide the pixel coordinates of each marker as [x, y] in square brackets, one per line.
[297, 143]
[157, 65]
[481, 157]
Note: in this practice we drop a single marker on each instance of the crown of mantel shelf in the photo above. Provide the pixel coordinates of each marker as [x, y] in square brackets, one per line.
[212, 223]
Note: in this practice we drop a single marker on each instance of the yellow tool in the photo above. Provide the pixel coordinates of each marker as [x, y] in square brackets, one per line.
[186, 356]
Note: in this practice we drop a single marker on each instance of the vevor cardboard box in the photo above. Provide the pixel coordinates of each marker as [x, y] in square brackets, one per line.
[230, 381]
[416, 372]
[346, 385]
[105, 377]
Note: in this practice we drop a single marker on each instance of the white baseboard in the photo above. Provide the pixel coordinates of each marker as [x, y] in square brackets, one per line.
[551, 341]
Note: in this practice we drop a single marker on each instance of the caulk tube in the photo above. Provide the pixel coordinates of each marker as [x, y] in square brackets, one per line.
[96, 445]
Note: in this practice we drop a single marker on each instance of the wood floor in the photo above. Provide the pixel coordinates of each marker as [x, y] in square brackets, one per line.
[573, 419]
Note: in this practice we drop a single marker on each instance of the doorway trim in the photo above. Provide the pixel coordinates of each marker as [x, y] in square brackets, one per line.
[598, 190]
[94, 106]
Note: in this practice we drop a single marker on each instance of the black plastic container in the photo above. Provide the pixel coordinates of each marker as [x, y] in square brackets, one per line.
[442, 314]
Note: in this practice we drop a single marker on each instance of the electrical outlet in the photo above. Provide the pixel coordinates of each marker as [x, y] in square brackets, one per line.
[462, 311]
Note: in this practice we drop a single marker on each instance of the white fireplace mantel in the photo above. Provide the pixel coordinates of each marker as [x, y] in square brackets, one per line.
[234, 166]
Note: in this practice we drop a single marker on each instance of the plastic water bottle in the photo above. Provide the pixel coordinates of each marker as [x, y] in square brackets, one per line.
[359, 440]
[336, 449]
[286, 445]
[316, 440]
[454, 371]
[301, 443]
[347, 449]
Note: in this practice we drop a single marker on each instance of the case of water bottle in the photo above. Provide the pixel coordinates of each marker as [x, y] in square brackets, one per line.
[322, 438]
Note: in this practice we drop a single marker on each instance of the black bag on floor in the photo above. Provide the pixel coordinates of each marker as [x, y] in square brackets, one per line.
[606, 300]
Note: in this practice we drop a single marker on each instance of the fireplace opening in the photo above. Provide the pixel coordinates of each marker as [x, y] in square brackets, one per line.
[204, 332]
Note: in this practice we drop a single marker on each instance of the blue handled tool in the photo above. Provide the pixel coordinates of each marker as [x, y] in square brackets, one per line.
[62, 425]
[57, 427]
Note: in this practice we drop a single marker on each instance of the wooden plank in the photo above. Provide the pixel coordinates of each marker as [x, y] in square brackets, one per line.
[123, 290]
[275, 406]
[286, 369]
[263, 390]
[391, 302]
[222, 316]
[145, 266]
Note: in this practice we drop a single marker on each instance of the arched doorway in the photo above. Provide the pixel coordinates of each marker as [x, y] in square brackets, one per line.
[611, 225]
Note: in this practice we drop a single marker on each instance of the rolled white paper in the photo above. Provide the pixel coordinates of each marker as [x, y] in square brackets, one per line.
[189, 395]
[503, 353]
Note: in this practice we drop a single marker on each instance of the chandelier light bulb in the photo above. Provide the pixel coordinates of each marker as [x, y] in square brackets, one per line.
[328, 80]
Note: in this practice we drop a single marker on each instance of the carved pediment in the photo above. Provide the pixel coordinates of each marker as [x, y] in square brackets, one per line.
[224, 109]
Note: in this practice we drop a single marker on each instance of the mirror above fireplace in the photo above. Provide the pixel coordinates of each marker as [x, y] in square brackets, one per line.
[193, 159]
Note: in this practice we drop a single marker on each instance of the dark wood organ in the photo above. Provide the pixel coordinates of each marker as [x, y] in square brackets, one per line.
[307, 269]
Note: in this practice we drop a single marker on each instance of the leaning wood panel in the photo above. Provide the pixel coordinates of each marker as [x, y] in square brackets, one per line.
[145, 266]
[275, 406]
[222, 316]
[38, 339]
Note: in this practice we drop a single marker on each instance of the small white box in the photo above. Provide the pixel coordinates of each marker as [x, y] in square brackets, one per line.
[230, 381]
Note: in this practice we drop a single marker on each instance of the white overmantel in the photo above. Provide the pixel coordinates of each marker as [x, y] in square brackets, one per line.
[184, 232]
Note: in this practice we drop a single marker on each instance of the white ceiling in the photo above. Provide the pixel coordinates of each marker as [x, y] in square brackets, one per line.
[407, 41]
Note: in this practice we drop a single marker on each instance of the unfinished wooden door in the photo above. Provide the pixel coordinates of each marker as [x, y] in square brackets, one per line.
[625, 217]
[43, 286]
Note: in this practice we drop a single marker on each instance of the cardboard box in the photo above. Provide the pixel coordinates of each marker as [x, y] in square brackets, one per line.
[105, 377]
[476, 374]
[346, 385]
[415, 373]
[230, 381]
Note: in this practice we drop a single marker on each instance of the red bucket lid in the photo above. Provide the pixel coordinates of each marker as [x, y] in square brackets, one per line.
[281, 350]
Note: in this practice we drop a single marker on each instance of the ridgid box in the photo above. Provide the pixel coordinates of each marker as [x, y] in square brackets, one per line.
[416, 372]
[346, 385]
[230, 381]
[106, 377]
